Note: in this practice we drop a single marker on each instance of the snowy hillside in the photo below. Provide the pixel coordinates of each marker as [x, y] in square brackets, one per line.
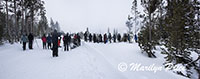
[89, 61]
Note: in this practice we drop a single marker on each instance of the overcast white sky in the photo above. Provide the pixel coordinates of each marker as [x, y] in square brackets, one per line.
[98, 15]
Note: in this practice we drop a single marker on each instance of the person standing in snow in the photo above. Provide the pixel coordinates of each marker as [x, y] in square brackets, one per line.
[24, 39]
[90, 37]
[94, 38]
[79, 39]
[44, 41]
[75, 41]
[97, 38]
[49, 41]
[110, 37]
[129, 38]
[86, 36]
[100, 38]
[135, 37]
[114, 38]
[66, 41]
[55, 43]
[30, 39]
[119, 38]
[105, 38]
[125, 37]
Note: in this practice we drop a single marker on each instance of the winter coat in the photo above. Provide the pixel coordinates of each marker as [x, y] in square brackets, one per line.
[78, 38]
[30, 37]
[135, 37]
[55, 40]
[49, 39]
[66, 39]
[129, 37]
[114, 37]
[100, 38]
[59, 42]
[90, 37]
[75, 36]
[119, 37]
[109, 36]
[94, 38]
[105, 38]
[24, 38]
[85, 36]
[44, 39]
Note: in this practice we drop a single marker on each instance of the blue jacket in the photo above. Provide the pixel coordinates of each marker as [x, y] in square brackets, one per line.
[24, 38]
[49, 39]
[135, 37]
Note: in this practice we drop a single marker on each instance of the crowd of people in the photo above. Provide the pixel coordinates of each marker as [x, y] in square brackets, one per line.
[70, 41]
[108, 38]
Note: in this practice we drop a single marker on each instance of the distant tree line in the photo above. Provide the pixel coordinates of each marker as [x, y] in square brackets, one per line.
[22, 17]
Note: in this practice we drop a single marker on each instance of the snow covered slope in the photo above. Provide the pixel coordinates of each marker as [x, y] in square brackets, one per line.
[89, 61]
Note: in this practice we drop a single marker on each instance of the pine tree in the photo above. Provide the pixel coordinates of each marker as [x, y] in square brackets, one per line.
[183, 35]
[20, 17]
[129, 24]
[52, 24]
[43, 26]
[135, 13]
[2, 25]
[147, 37]
[57, 26]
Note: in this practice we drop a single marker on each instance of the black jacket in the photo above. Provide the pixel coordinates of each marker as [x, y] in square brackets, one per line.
[55, 40]
[30, 37]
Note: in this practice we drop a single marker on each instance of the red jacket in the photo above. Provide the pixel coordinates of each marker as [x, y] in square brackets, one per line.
[44, 39]
[58, 42]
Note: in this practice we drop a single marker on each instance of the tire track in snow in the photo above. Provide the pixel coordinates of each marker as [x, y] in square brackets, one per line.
[95, 55]
[90, 60]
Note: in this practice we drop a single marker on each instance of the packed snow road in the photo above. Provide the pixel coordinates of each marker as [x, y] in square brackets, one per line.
[89, 61]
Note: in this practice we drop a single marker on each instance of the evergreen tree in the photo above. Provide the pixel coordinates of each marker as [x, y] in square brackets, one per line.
[34, 7]
[129, 24]
[52, 24]
[147, 37]
[176, 26]
[183, 34]
[20, 17]
[135, 13]
[57, 26]
[2, 25]
[43, 26]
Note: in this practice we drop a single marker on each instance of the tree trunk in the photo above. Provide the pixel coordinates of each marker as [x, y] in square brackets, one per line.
[149, 26]
[32, 19]
[22, 14]
[7, 26]
[150, 46]
[26, 22]
[16, 23]
[149, 12]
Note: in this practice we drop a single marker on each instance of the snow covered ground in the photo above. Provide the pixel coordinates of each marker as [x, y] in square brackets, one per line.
[89, 61]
